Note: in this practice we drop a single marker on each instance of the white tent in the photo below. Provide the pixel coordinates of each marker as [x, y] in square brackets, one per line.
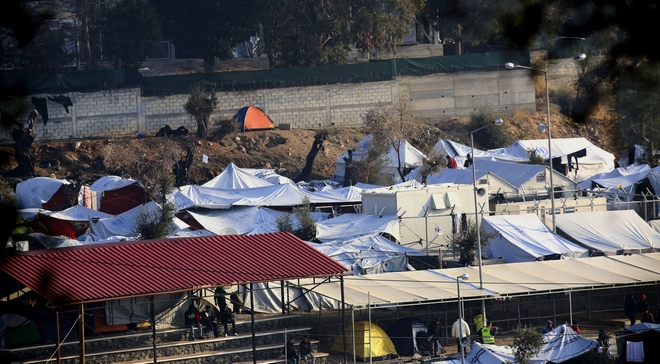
[76, 213]
[558, 346]
[285, 195]
[595, 160]
[122, 225]
[243, 220]
[36, 191]
[234, 177]
[353, 226]
[369, 255]
[409, 155]
[459, 152]
[524, 238]
[609, 231]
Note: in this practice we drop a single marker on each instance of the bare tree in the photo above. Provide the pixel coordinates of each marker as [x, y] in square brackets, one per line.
[317, 146]
[388, 124]
[159, 223]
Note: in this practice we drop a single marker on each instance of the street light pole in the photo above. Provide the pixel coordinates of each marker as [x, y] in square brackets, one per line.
[476, 212]
[510, 65]
[464, 277]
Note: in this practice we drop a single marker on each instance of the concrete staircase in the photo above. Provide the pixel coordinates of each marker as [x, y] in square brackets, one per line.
[172, 345]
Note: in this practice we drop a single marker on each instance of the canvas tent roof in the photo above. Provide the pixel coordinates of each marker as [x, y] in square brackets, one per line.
[370, 341]
[499, 279]
[524, 238]
[369, 255]
[410, 158]
[558, 346]
[122, 224]
[37, 191]
[596, 161]
[352, 226]
[243, 220]
[465, 177]
[76, 213]
[253, 118]
[285, 195]
[609, 231]
[233, 177]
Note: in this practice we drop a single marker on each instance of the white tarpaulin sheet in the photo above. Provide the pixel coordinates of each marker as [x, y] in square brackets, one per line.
[275, 195]
[350, 193]
[244, 220]
[111, 183]
[619, 177]
[122, 224]
[76, 213]
[369, 255]
[233, 177]
[524, 238]
[519, 175]
[459, 152]
[596, 161]
[35, 191]
[352, 226]
[609, 231]
[410, 158]
[558, 346]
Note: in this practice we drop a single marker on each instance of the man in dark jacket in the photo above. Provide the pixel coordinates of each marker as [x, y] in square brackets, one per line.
[306, 352]
[193, 319]
[435, 333]
[227, 317]
[210, 320]
[290, 352]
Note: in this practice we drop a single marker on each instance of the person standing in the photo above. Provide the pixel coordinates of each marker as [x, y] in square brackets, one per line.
[193, 320]
[306, 352]
[488, 333]
[630, 308]
[290, 352]
[464, 328]
[575, 327]
[451, 162]
[220, 296]
[642, 305]
[468, 161]
[549, 326]
[648, 317]
[435, 333]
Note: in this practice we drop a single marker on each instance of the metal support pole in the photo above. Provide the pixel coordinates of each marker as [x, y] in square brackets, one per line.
[343, 316]
[552, 185]
[570, 308]
[460, 320]
[57, 334]
[153, 327]
[254, 341]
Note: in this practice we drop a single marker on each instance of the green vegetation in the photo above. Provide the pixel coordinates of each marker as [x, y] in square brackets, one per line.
[200, 108]
[158, 223]
[489, 138]
[527, 342]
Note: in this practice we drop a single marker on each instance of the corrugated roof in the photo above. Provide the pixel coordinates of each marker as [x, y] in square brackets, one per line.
[98, 272]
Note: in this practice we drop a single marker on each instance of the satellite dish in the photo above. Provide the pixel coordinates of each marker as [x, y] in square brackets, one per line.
[228, 231]
[465, 341]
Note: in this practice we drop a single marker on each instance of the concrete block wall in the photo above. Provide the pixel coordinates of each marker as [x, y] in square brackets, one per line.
[126, 113]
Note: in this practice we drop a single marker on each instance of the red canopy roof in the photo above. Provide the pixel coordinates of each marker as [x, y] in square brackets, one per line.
[106, 271]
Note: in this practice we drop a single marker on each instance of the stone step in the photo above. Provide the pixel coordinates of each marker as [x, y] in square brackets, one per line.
[227, 344]
[132, 341]
[319, 358]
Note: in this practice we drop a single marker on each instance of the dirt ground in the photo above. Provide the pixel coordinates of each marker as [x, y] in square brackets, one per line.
[140, 157]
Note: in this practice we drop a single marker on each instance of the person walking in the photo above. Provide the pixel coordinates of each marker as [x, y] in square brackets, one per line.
[630, 308]
[435, 333]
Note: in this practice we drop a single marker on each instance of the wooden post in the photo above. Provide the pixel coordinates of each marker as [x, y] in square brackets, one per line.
[82, 333]
[153, 327]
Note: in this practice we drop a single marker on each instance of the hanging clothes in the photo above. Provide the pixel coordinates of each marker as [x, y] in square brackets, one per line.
[42, 108]
[62, 100]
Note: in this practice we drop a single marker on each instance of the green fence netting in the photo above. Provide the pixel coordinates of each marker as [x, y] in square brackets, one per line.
[23, 83]
[20, 83]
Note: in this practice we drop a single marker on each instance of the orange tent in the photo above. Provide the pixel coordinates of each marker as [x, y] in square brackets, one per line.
[253, 118]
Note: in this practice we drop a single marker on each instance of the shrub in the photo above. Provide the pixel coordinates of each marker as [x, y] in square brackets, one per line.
[527, 342]
[489, 138]
[227, 126]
